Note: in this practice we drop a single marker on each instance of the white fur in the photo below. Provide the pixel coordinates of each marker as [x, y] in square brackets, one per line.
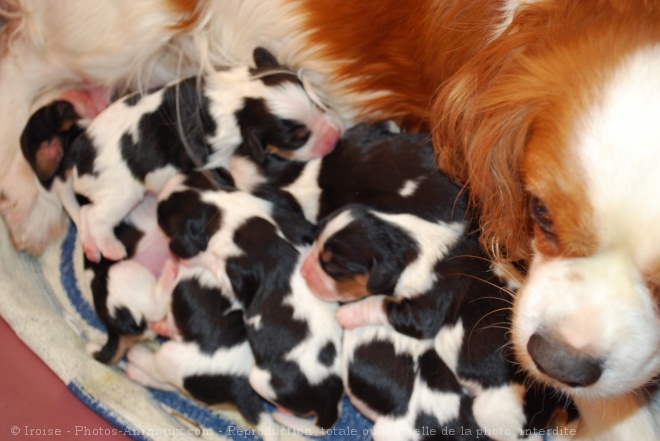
[434, 241]
[448, 343]
[306, 189]
[409, 187]
[245, 173]
[323, 328]
[600, 304]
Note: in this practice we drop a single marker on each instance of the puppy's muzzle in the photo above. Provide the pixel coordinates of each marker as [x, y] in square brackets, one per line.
[562, 362]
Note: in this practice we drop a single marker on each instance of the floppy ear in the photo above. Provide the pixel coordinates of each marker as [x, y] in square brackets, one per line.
[484, 121]
[253, 146]
[45, 137]
[66, 114]
[264, 59]
[384, 276]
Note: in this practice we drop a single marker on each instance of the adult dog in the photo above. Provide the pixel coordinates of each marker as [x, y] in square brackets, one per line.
[546, 109]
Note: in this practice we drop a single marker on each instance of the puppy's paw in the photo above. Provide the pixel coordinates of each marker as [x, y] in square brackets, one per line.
[161, 328]
[112, 249]
[90, 249]
[138, 375]
[368, 311]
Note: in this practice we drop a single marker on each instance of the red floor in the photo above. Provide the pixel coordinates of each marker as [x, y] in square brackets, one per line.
[36, 405]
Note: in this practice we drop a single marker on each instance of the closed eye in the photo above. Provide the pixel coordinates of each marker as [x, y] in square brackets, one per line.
[294, 135]
[542, 217]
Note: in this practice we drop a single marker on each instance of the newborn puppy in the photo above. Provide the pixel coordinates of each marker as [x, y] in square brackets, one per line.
[371, 164]
[294, 336]
[140, 141]
[361, 251]
[125, 293]
[404, 387]
[430, 281]
[208, 354]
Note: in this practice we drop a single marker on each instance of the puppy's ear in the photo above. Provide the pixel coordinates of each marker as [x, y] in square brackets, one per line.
[384, 276]
[46, 137]
[264, 59]
[66, 115]
[253, 145]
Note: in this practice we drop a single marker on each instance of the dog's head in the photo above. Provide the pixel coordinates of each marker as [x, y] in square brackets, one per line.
[188, 221]
[284, 116]
[357, 254]
[556, 135]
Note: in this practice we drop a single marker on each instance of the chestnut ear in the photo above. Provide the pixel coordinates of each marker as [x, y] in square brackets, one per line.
[253, 145]
[264, 59]
[384, 276]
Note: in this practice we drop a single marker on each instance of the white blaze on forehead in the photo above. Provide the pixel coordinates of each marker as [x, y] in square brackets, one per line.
[509, 9]
[337, 224]
[618, 146]
[409, 187]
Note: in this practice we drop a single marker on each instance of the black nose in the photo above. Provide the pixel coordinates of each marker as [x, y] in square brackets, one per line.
[563, 363]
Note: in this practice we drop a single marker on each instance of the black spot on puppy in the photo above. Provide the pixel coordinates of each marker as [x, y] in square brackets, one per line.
[328, 354]
[202, 314]
[385, 387]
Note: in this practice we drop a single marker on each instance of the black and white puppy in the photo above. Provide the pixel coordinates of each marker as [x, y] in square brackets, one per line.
[371, 164]
[404, 387]
[208, 354]
[125, 293]
[294, 336]
[431, 281]
[141, 140]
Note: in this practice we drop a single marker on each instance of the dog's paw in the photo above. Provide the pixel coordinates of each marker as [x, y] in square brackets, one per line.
[368, 311]
[161, 328]
[138, 375]
[90, 249]
[140, 356]
[34, 218]
[112, 249]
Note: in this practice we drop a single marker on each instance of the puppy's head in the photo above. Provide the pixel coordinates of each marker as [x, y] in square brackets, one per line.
[46, 137]
[558, 144]
[188, 222]
[356, 254]
[285, 118]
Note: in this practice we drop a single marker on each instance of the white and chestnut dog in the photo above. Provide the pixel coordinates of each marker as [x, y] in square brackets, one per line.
[544, 108]
[138, 142]
[208, 354]
[125, 293]
[294, 336]
[423, 282]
